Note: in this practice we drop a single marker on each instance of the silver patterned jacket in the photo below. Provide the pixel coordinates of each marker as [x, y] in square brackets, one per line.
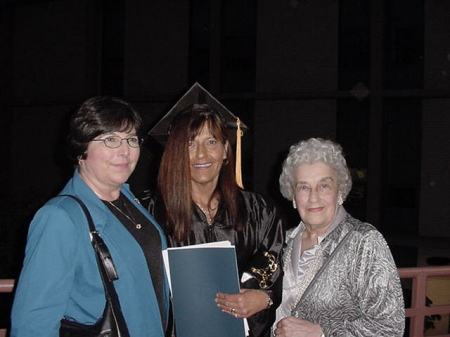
[358, 292]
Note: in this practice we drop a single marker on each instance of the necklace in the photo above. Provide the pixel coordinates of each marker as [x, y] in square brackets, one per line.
[207, 213]
[299, 287]
[137, 225]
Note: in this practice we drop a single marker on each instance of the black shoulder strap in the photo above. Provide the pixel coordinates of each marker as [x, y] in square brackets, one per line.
[104, 258]
[107, 271]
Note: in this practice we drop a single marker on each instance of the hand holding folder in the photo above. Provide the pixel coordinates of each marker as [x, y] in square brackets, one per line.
[196, 274]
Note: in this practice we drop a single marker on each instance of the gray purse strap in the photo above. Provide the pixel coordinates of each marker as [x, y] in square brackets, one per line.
[327, 262]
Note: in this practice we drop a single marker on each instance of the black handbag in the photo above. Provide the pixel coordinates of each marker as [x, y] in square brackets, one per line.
[111, 323]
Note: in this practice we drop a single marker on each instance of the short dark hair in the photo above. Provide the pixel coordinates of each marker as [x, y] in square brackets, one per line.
[96, 116]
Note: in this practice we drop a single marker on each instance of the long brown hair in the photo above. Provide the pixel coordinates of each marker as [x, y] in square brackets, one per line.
[174, 177]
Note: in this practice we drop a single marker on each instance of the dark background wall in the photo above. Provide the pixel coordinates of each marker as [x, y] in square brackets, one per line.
[372, 75]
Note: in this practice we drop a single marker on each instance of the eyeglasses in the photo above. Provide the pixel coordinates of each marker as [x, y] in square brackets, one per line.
[114, 142]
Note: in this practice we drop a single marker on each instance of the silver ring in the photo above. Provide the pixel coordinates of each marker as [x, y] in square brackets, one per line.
[233, 311]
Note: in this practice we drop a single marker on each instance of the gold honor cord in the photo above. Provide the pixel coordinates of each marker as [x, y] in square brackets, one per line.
[239, 134]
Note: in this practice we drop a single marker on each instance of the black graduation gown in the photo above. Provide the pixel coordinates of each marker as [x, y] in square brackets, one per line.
[263, 232]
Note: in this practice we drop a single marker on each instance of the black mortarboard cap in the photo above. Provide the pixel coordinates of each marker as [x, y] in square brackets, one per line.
[199, 95]
[195, 95]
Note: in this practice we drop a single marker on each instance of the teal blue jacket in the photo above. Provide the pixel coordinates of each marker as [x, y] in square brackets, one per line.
[60, 276]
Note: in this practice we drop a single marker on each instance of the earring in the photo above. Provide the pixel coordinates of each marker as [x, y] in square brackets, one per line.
[294, 204]
[225, 162]
[340, 200]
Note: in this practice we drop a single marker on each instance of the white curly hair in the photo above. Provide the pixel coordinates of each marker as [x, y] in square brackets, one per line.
[309, 152]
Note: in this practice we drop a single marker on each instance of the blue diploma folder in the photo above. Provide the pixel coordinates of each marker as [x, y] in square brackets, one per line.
[197, 275]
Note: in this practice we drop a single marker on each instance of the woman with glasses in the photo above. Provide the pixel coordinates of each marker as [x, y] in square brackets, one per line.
[339, 275]
[60, 276]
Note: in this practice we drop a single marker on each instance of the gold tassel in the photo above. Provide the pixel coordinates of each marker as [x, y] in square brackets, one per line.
[239, 134]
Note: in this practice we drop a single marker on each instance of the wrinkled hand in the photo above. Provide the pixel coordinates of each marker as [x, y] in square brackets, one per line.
[296, 327]
[243, 305]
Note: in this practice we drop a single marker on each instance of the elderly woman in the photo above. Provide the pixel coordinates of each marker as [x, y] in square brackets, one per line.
[60, 277]
[340, 278]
